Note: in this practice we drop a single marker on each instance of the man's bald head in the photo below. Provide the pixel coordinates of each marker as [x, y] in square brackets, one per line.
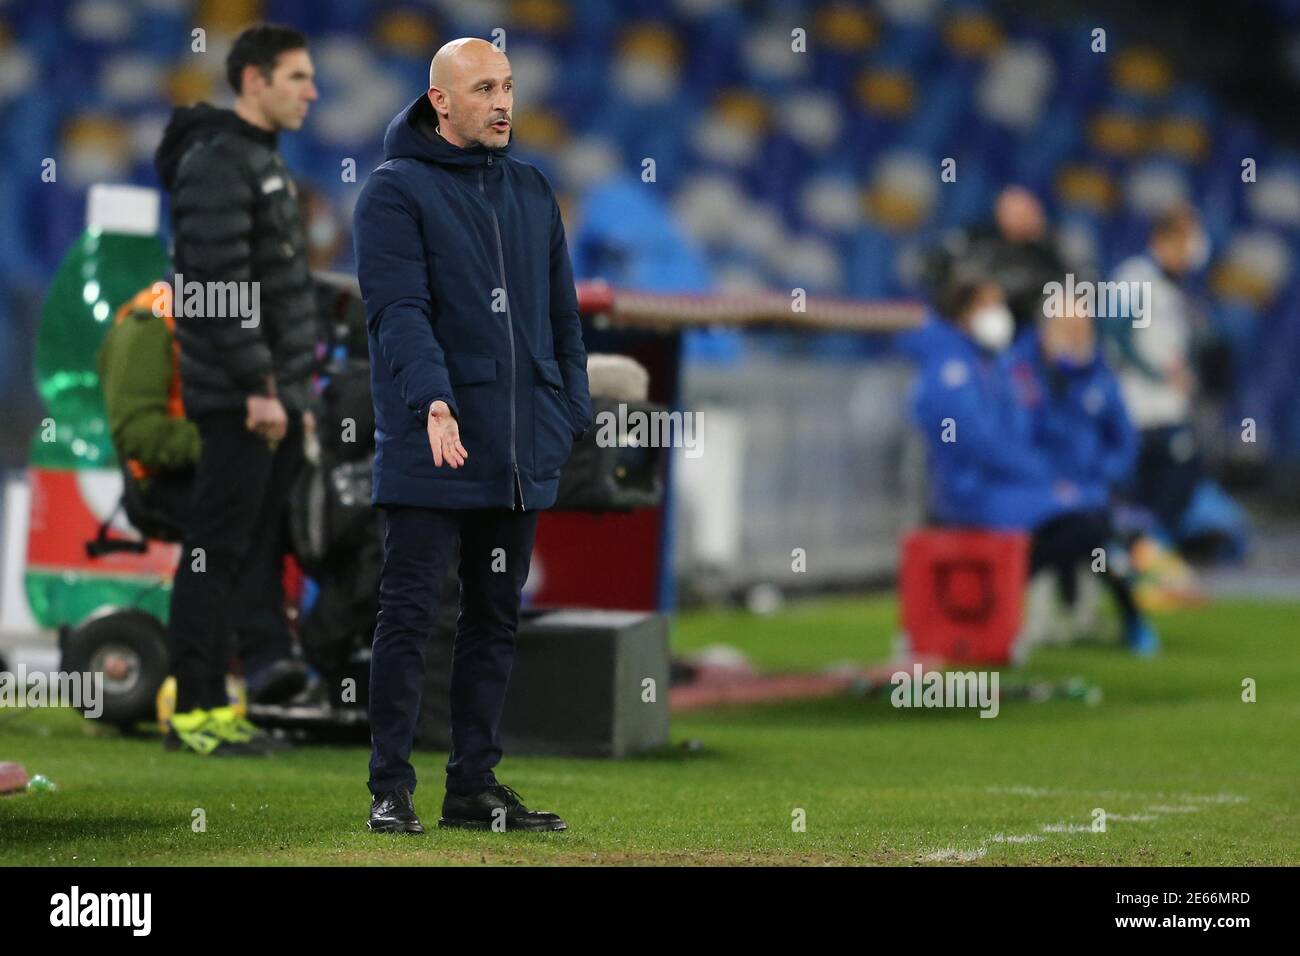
[472, 91]
[460, 54]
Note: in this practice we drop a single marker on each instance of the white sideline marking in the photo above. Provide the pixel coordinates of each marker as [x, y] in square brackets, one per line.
[1016, 838]
[1212, 798]
[1025, 791]
[1040, 792]
[1152, 814]
[954, 855]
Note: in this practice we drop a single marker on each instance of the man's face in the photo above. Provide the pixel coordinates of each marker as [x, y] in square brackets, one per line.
[286, 97]
[1072, 335]
[477, 107]
[1176, 249]
[1020, 216]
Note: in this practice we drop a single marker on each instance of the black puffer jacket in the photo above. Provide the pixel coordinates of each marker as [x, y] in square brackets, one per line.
[235, 218]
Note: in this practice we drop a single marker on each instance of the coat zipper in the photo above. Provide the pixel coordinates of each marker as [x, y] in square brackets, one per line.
[510, 329]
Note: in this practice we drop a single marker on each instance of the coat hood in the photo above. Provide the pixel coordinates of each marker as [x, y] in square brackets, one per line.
[191, 122]
[413, 135]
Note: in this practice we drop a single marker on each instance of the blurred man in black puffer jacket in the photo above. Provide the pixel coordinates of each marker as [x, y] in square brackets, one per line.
[238, 236]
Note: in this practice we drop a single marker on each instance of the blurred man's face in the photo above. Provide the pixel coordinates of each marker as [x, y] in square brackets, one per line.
[475, 97]
[1177, 249]
[988, 294]
[1072, 336]
[285, 98]
[1019, 215]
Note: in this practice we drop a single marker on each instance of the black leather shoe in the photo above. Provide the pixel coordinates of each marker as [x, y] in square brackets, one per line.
[393, 812]
[496, 805]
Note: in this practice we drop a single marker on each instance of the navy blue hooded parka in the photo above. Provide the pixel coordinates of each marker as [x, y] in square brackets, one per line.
[469, 299]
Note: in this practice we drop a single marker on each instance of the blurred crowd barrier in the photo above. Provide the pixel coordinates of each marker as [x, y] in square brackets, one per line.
[810, 472]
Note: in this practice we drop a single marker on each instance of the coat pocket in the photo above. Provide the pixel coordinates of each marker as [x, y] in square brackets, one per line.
[552, 422]
[471, 369]
[483, 421]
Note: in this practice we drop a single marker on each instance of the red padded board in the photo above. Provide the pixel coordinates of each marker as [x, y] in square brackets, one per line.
[962, 592]
[12, 777]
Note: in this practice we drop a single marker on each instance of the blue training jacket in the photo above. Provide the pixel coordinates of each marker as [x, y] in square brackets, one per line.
[984, 470]
[469, 299]
[1078, 419]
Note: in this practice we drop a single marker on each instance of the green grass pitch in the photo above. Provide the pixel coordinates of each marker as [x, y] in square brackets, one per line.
[1186, 772]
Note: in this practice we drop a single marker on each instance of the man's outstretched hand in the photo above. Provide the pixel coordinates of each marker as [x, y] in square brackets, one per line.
[444, 437]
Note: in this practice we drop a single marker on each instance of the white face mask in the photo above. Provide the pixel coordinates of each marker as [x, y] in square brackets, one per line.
[992, 327]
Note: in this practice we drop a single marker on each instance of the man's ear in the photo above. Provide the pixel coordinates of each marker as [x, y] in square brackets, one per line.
[251, 76]
[436, 98]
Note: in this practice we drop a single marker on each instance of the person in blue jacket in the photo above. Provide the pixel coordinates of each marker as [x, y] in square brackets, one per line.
[987, 466]
[479, 380]
[983, 467]
[1079, 422]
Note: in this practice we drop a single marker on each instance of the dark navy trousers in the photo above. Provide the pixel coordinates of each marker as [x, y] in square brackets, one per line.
[495, 546]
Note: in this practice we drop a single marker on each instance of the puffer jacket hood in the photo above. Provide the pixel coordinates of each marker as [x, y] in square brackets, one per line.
[191, 122]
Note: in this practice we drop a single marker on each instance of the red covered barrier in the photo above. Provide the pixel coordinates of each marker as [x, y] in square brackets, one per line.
[962, 592]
